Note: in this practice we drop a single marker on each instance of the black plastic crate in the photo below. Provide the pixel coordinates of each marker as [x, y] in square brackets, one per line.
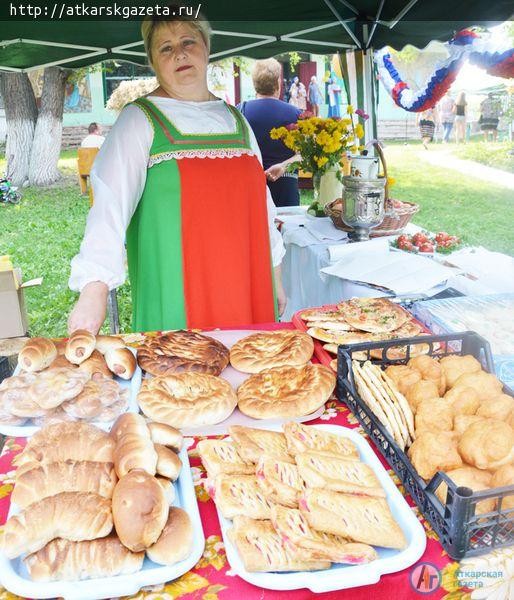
[461, 532]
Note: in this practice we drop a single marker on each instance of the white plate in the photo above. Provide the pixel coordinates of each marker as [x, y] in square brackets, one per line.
[340, 576]
[14, 576]
[133, 384]
[236, 378]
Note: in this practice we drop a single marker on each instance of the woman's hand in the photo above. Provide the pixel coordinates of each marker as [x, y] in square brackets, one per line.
[280, 292]
[89, 311]
[275, 171]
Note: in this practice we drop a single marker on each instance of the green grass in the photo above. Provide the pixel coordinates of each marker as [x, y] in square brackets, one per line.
[488, 153]
[43, 233]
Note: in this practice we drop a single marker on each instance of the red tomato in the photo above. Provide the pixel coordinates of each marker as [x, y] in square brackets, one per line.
[426, 247]
[402, 239]
[409, 247]
[420, 238]
[442, 236]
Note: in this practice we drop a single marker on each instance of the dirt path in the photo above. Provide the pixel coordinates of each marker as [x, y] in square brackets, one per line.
[443, 158]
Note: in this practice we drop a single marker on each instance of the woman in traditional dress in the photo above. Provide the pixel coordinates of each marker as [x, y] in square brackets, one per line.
[180, 179]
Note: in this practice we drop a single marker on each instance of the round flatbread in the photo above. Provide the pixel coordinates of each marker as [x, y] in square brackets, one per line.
[285, 392]
[181, 351]
[376, 315]
[270, 349]
[187, 399]
[341, 337]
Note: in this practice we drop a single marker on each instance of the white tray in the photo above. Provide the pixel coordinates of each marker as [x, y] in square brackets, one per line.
[236, 378]
[14, 576]
[340, 576]
[29, 429]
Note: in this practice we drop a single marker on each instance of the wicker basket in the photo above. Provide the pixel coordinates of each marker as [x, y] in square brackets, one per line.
[397, 213]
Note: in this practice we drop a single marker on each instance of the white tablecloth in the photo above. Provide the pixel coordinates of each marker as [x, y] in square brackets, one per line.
[306, 256]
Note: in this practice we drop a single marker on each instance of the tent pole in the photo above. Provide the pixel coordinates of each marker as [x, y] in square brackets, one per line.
[369, 95]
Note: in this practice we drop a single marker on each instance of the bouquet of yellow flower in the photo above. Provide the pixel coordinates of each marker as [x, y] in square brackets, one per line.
[321, 143]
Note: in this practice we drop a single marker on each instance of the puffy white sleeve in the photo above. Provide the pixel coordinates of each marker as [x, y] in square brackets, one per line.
[277, 244]
[118, 178]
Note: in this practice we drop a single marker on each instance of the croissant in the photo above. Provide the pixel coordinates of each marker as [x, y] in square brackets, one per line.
[78, 441]
[37, 354]
[62, 560]
[134, 451]
[80, 346]
[68, 476]
[73, 516]
[121, 362]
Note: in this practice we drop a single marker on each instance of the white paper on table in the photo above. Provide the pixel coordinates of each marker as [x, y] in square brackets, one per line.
[324, 230]
[495, 271]
[300, 236]
[400, 272]
[337, 251]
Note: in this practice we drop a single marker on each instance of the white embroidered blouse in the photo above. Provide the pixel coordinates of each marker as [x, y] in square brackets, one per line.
[118, 179]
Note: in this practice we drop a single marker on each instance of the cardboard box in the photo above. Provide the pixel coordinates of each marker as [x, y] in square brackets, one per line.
[13, 314]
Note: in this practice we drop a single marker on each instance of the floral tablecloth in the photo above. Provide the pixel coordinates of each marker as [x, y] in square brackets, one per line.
[435, 575]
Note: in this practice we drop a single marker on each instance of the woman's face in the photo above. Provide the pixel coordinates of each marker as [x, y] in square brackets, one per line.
[179, 56]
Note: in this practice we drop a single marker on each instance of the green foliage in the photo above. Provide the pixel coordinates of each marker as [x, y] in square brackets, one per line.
[42, 234]
[294, 60]
[489, 153]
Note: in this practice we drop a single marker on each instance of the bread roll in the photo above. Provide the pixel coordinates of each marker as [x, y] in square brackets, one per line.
[176, 540]
[108, 342]
[69, 476]
[60, 345]
[166, 435]
[73, 516]
[68, 441]
[129, 423]
[168, 463]
[37, 354]
[139, 510]
[62, 361]
[80, 346]
[96, 364]
[134, 451]
[61, 560]
[168, 487]
[121, 362]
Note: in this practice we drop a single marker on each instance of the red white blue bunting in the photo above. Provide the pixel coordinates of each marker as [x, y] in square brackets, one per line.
[467, 45]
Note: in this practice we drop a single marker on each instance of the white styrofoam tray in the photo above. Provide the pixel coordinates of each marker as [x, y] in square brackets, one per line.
[14, 576]
[29, 429]
[236, 378]
[341, 576]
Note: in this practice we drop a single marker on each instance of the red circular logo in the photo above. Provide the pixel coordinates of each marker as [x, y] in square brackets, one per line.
[425, 578]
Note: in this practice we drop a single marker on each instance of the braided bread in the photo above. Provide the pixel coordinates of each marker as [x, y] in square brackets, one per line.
[270, 349]
[187, 399]
[181, 351]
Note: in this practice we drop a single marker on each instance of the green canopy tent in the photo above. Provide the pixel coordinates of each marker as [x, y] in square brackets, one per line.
[257, 29]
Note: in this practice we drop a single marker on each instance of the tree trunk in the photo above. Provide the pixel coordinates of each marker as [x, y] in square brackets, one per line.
[46, 146]
[20, 116]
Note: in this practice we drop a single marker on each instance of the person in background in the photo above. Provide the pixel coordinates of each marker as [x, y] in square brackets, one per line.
[180, 179]
[460, 111]
[298, 94]
[94, 139]
[334, 99]
[426, 122]
[490, 111]
[447, 116]
[315, 96]
[264, 113]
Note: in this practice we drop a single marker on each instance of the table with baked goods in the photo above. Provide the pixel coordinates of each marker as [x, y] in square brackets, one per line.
[212, 576]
